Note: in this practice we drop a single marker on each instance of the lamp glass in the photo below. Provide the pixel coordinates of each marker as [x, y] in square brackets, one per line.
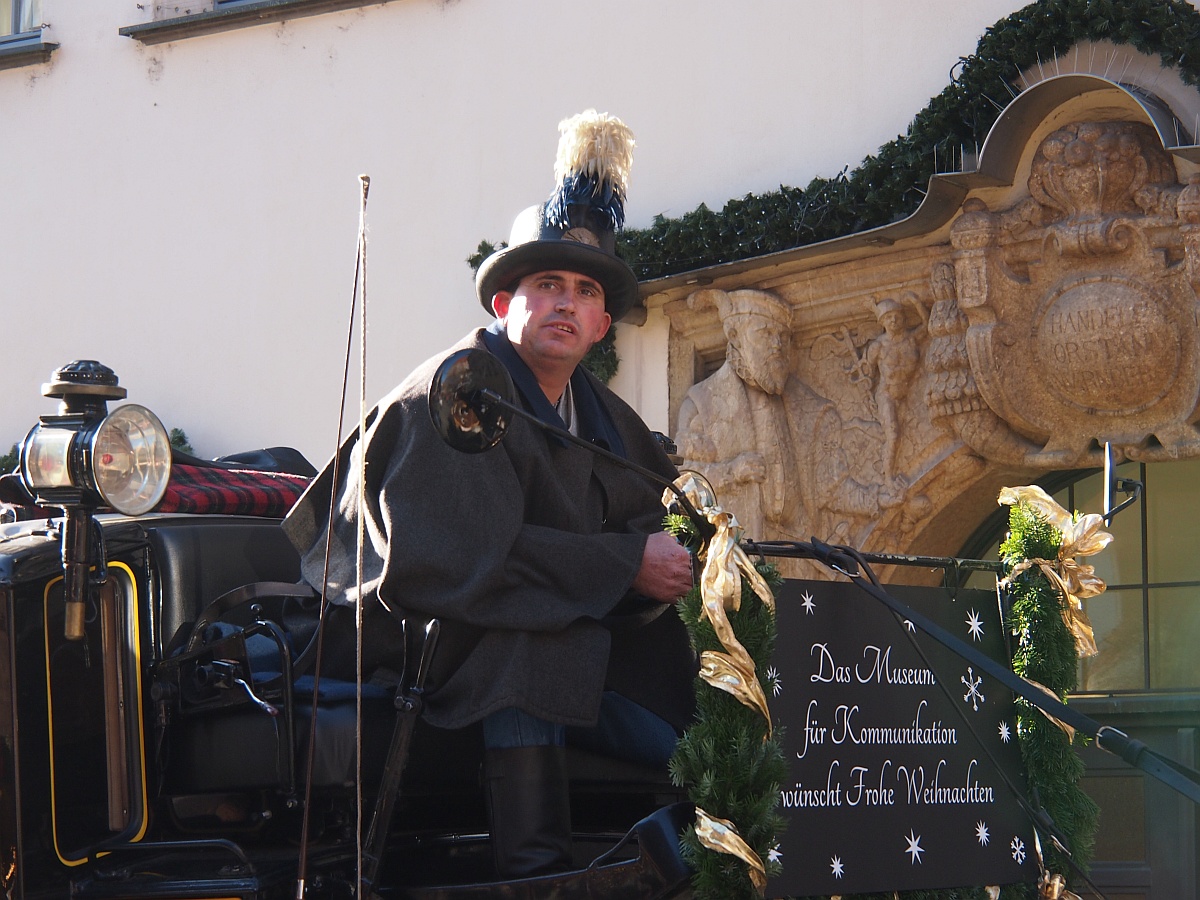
[46, 458]
[131, 459]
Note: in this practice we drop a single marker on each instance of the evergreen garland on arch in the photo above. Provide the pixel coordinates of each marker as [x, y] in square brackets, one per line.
[890, 185]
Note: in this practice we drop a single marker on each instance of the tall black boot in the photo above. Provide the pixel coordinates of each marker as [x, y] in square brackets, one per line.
[530, 810]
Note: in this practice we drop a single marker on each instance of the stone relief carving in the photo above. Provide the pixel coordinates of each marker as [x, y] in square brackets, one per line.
[1080, 310]
[889, 362]
[864, 431]
[1042, 329]
[790, 459]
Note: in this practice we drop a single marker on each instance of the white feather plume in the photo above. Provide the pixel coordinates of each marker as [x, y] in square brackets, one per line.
[598, 145]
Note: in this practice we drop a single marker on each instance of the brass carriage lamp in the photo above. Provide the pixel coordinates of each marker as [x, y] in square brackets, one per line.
[85, 458]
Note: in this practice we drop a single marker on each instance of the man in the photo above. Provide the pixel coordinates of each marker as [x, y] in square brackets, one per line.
[545, 563]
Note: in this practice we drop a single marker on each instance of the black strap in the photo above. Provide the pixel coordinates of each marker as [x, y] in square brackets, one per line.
[1134, 752]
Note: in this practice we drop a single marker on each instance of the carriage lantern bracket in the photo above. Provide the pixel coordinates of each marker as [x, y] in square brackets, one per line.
[84, 459]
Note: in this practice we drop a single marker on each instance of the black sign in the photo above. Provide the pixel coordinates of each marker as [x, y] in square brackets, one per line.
[893, 785]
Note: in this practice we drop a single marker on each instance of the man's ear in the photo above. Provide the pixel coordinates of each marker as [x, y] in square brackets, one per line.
[602, 331]
[500, 302]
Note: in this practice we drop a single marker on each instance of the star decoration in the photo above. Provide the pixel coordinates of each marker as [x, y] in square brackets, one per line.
[975, 625]
[774, 854]
[981, 833]
[807, 603]
[914, 847]
[1005, 732]
[836, 865]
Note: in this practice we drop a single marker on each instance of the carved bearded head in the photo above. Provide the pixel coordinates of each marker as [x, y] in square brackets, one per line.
[756, 326]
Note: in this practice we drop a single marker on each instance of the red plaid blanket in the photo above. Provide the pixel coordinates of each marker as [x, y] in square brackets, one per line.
[235, 492]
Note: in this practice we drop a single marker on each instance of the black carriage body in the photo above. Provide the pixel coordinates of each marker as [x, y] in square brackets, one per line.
[143, 760]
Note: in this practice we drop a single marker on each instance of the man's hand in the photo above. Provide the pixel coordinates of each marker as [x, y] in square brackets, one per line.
[666, 572]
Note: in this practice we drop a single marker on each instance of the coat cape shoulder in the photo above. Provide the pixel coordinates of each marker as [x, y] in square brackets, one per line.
[525, 552]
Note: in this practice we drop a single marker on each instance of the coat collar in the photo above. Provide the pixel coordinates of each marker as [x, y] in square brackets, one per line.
[595, 421]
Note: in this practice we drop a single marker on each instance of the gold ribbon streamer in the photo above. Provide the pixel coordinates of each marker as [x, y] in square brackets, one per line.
[1066, 729]
[1054, 887]
[722, 671]
[721, 835]
[1077, 581]
[725, 564]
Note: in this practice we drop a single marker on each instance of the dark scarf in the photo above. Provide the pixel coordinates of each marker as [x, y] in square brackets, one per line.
[595, 422]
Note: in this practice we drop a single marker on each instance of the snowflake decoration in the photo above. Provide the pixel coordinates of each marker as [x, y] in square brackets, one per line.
[975, 625]
[981, 833]
[774, 855]
[914, 848]
[972, 682]
[807, 603]
[1018, 850]
[836, 865]
[1005, 732]
[773, 680]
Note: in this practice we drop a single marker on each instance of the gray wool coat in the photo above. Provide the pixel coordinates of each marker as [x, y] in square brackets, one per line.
[526, 553]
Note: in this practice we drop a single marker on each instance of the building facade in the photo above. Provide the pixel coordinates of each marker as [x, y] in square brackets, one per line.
[1038, 306]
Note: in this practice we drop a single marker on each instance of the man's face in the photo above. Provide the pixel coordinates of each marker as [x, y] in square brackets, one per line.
[553, 317]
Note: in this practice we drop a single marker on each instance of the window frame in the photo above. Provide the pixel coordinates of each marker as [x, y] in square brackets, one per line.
[22, 48]
[228, 15]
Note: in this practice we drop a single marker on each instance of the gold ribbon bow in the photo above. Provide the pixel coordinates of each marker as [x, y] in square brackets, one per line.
[720, 835]
[1077, 581]
[725, 564]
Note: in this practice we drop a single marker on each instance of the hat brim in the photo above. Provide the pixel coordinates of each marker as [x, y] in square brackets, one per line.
[500, 270]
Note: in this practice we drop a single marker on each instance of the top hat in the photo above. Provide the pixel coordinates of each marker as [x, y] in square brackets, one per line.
[575, 230]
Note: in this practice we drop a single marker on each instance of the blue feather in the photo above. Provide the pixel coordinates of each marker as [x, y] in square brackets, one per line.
[580, 189]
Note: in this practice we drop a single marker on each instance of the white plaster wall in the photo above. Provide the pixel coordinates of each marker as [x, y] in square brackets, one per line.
[187, 212]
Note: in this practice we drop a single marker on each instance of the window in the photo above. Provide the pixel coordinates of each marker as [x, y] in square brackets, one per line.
[1147, 622]
[19, 18]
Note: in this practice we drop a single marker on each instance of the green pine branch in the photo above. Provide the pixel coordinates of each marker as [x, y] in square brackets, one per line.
[1045, 652]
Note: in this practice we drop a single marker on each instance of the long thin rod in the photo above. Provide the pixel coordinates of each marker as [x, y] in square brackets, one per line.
[365, 181]
[302, 865]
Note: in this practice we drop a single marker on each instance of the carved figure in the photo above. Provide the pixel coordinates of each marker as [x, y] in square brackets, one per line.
[732, 425]
[890, 362]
